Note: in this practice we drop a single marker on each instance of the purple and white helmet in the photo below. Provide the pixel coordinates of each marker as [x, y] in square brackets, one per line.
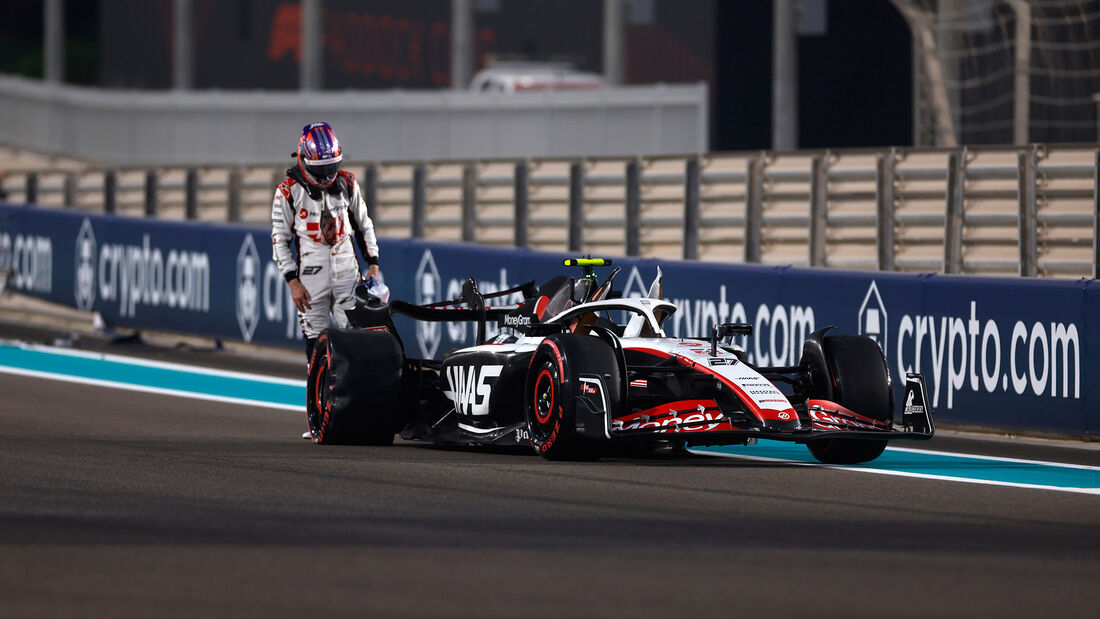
[319, 154]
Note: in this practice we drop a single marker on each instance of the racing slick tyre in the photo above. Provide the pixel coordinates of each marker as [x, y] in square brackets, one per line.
[861, 383]
[550, 396]
[354, 390]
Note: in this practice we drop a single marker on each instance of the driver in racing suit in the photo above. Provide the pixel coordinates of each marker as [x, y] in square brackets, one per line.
[320, 209]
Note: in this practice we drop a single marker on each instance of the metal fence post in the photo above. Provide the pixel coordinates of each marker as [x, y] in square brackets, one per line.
[819, 181]
[754, 209]
[71, 180]
[419, 195]
[633, 208]
[692, 179]
[884, 198]
[32, 188]
[1096, 216]
[469, 202]
[235, 182]
[522, 213]
[953, 221]
[151, 193]
[110, 192]
[191, 194]
[576, 206]
[1029, 245]
[370, 191]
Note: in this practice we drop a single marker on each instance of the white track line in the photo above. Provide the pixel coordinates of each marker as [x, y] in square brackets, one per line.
[994, 458]
[965, 480]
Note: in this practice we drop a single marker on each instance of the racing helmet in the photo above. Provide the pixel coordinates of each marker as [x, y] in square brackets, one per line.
[319, 154]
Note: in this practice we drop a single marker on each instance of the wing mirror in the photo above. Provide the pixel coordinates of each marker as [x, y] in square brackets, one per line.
[728, 329]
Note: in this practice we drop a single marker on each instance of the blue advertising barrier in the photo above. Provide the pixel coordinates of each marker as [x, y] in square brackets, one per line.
[997, 352]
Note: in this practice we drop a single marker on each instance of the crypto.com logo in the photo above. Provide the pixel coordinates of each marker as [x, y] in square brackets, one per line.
[428, 286]
[872, 317]
[248, 288]
[85, 267]
[635, 288]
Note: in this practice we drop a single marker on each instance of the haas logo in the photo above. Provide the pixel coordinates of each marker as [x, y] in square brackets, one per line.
[470, 387]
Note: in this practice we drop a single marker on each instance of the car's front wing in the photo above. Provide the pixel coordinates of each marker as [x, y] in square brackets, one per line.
[701, 422]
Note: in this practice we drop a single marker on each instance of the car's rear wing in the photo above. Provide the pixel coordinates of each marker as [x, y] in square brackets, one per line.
[468, 307]
[447, 314]
[470, 291]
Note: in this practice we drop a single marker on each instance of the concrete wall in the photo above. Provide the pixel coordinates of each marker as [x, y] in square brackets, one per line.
[153, 127]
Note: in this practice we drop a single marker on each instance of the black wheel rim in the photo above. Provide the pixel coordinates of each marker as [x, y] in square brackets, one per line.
[544, 396]
[545, 402]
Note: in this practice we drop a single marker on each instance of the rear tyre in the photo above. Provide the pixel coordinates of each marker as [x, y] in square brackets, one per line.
[354, 389]
[861, 383]
[550, 394]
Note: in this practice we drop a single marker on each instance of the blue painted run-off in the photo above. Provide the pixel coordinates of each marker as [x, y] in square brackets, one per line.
[154, 377]
[935, 464]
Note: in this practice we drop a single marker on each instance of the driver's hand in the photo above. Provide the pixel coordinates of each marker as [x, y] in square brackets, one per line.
[300, 295]
[373, 270]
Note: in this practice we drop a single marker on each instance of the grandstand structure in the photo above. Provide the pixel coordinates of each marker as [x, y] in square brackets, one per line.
[467, 167]
[1006, 211]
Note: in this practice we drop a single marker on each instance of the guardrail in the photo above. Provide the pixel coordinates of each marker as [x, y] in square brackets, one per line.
[1030, 211]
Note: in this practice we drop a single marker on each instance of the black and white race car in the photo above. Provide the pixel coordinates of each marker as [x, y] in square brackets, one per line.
[586, 375]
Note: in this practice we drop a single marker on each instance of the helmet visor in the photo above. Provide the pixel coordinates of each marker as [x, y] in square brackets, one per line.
[323, 174]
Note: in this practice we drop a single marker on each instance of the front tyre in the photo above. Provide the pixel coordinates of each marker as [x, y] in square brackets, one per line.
[861, 383]
[550, 396]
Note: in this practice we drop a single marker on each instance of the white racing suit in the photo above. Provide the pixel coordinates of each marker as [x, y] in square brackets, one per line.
[322, 223]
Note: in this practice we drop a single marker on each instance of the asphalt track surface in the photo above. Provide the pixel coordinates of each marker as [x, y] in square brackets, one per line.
[115, 503]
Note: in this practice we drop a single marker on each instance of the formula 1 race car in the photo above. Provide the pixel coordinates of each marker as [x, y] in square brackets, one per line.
[585, 374]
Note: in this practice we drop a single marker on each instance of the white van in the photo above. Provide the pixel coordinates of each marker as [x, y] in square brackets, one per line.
[532, 77]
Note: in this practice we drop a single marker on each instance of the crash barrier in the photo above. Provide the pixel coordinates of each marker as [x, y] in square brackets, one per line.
[1028, 211]
[997, 352]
